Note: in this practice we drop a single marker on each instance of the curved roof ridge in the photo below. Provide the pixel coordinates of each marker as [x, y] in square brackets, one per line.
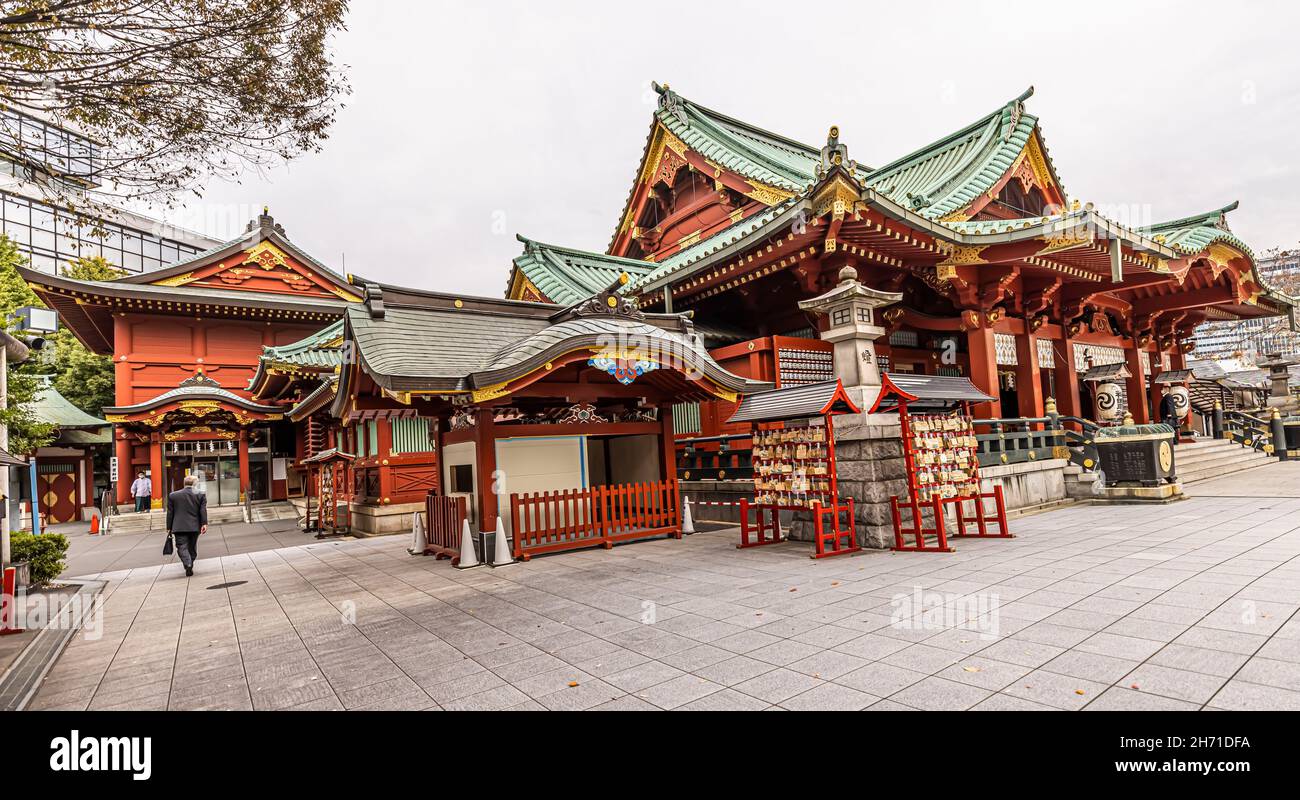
[978, 124]
[1197, 219]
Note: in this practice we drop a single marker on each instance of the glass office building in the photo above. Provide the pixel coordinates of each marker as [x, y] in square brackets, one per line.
[33, 152]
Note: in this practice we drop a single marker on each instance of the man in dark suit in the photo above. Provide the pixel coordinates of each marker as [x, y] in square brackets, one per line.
[187, 518]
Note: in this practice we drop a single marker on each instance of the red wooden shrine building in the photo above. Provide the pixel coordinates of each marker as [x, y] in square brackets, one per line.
[1005, 280]
[234, 364]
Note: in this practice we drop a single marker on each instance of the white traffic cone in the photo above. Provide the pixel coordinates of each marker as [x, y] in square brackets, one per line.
[467, 557]
[688, 521]
[417, 535]
[502, 555]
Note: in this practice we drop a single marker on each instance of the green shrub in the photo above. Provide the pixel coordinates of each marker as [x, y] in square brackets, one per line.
[45, 553]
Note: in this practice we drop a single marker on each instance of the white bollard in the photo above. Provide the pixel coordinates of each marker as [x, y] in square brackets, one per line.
[688, 522]
[502, 555]
[467, 557]
[417, 535]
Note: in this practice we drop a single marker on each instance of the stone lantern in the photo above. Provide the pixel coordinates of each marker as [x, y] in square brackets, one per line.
[851, 309]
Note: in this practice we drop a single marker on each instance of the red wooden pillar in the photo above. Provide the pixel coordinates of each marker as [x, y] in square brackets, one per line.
[1029, 381]
[156, 469]
[1067, 381]
[125, 469]
[244, 477]
[383, 450]
[1137, 385]
[984, 369]
[1156, 392]
[668, 451]
[485, 453]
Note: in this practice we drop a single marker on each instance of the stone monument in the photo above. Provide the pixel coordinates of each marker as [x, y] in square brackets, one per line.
[868, 447]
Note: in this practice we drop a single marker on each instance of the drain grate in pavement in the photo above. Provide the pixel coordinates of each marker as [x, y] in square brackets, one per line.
[230, 585]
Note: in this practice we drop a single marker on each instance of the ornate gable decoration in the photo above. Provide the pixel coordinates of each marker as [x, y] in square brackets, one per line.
[200, 380]
[609, 304]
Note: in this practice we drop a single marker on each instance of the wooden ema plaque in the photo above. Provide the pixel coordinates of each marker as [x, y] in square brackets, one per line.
[794, 466]
[940, 453]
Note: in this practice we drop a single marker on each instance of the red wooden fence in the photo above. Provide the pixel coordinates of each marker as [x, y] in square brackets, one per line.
[445, 516]
[547, 522]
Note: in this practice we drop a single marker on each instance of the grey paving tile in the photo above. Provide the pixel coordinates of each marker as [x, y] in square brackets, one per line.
[1005, 702]
[986, 673]
[1092, 666]
[1058, 691]
[778, 685]
[1116, 646]
[1119, 698]
[881, 679]
[1238, 695]
[582, 697]
[1199, 659]
[1178, 684]
[725, 700]
[830, 697]
[734, 670]
[644, 676]
[923, 658]
[940, 694]
[1270, 672]
[679, 691]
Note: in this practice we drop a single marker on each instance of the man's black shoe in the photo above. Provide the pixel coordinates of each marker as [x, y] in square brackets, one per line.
[189, 571]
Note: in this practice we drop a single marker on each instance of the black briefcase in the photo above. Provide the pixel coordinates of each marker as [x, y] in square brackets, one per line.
[167, 545]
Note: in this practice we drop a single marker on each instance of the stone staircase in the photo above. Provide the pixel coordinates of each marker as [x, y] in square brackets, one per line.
[156, 519]
[268, 512]
[1213, 458]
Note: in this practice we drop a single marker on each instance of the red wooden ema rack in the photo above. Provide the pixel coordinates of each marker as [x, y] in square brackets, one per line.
[938, 404]
[794, 466]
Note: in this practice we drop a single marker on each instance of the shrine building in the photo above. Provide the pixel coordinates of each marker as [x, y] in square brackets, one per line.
[1004, 278]
[273, 377]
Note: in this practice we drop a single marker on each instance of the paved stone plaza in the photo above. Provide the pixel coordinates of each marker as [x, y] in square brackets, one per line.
[1190, 606]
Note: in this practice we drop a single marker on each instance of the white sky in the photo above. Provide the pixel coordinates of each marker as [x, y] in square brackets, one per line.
[471, 122]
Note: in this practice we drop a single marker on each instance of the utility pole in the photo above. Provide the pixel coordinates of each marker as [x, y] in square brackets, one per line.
[11, 349]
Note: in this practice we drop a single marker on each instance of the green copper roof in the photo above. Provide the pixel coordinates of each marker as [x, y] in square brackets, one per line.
[1193, 234]
[316, 350]
[948, 175]
[738, 146]
[565, 275]
[723, 238]
[53, 408]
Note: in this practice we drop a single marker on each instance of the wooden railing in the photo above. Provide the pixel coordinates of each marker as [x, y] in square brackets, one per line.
[715, 458]
[1249, 430]
[548, 522]
[1021, 439]
[445, 516]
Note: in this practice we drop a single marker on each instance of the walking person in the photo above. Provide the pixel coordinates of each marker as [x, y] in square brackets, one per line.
[187, 518]
[141, 490]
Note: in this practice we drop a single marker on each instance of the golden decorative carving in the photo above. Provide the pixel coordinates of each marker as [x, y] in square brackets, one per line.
[838, 197]
[958, 255]
[266, 255]
[115, 417]
[175, 280]
[768, 195]
[489, 393]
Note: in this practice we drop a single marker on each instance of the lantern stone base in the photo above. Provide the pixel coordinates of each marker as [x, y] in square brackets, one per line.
[379, 520]
[1133, 495]
[869, 462]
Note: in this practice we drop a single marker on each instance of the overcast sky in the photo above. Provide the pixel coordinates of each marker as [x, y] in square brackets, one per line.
[471, 122]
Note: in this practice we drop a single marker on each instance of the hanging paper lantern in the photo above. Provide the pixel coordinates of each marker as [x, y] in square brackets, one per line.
[1108, 401]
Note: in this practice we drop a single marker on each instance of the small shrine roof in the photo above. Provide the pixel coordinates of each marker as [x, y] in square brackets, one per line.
[200, 387]
[1103, 372]
[413, 341]
[51, 407]
[795, 402]
[928, 390]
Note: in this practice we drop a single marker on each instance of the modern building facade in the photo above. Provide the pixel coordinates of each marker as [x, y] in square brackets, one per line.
[51, 236]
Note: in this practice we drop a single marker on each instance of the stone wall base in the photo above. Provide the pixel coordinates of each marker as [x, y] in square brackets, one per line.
[378, 520]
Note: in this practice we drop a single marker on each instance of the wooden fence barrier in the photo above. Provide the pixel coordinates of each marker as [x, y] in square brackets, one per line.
[548, 522]
[445, 516]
